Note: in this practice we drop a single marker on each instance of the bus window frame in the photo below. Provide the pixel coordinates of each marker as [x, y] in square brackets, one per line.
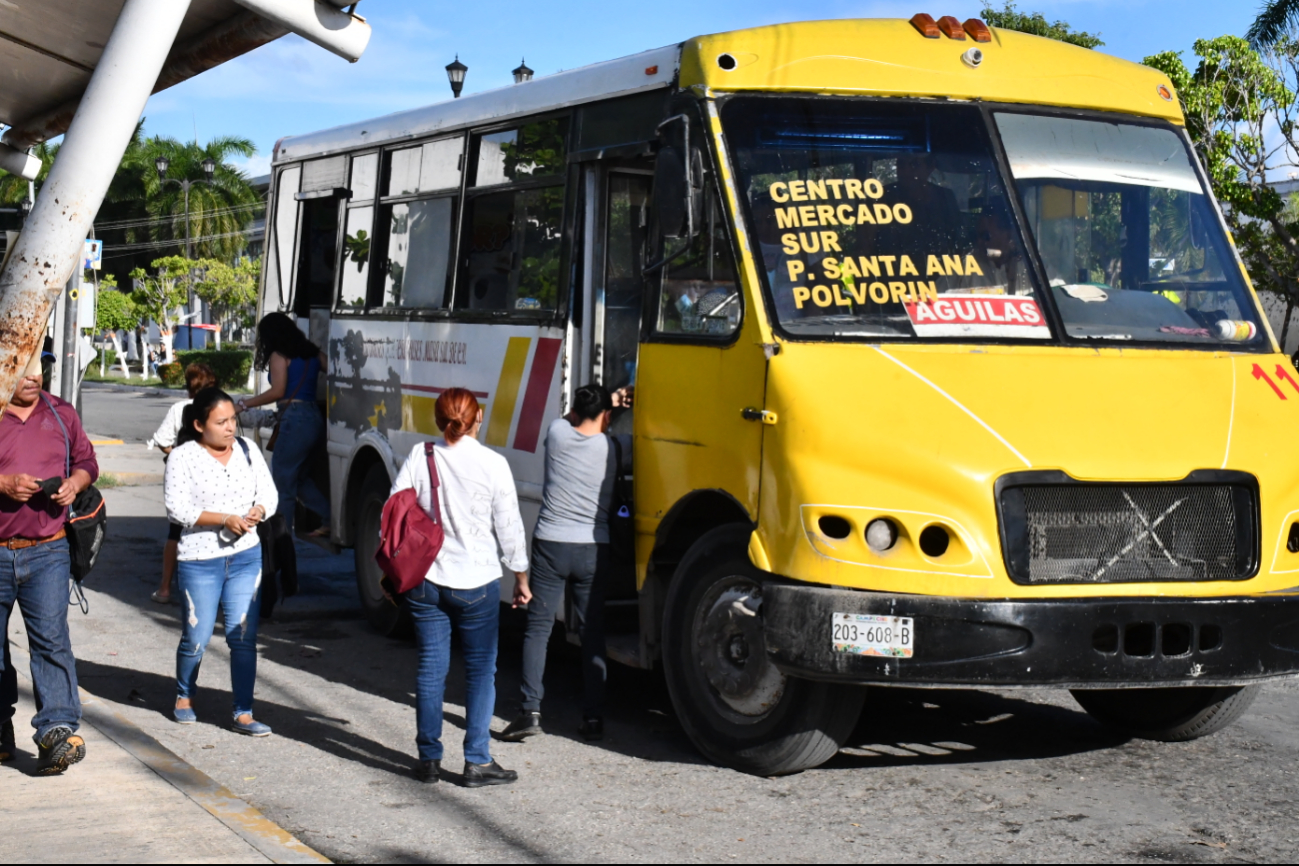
[347, 205]
[272, 230]
[569, 178]
[374, 288]
[1262, 347]
[649, 332]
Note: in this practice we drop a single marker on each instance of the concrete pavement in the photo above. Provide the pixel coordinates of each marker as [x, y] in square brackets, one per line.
[131, 801]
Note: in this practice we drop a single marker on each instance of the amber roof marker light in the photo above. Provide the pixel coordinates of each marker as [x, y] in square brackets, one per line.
[926, 25]
[978, 31]
[951, 27]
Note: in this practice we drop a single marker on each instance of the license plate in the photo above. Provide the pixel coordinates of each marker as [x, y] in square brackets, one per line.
[868, 635]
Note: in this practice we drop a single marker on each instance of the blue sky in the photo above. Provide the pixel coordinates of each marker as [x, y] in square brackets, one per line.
[291, 87]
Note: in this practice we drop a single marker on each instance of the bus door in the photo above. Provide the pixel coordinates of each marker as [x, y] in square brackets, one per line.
[617, 228]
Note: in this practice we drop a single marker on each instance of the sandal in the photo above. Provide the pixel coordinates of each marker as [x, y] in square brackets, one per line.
[160, 598]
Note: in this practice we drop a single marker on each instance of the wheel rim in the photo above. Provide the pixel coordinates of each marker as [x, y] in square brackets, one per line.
[731, 652]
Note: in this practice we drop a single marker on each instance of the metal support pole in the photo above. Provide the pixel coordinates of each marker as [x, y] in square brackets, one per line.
[68, 366]
[50, 246]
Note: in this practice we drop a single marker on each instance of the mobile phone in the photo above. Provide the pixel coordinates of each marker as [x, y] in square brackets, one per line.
[50, 486]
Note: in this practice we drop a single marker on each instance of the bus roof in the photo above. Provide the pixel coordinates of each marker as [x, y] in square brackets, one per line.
[878, 57]
[644, 71]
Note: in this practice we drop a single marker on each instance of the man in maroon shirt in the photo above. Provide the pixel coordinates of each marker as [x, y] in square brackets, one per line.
[35, 565]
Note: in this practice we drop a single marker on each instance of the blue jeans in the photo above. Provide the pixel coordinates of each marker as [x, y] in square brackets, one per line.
[231, 583]
[37, 579]
[301, 428]
[476, 614]
[554, 565]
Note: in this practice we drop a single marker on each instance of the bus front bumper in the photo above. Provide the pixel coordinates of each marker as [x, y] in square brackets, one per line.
[1084, 643]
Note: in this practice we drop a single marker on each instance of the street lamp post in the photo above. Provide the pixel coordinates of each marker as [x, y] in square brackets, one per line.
[456, 75]
[162, 163]
[522, 73]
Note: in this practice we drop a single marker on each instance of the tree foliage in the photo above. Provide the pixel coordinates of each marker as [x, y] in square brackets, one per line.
[231, 290]
[1236, 102]
[159, 295]
[1275, 20]
[1035, 23]
[114, 310]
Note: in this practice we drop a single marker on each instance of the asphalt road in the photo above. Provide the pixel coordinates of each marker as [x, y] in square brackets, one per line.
[929, 774]
[122, 413]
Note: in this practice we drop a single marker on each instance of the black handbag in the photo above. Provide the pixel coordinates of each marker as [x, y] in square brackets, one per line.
[87, 521]
[622, 524]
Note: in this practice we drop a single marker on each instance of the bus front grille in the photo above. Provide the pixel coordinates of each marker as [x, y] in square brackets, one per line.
[1068, 533]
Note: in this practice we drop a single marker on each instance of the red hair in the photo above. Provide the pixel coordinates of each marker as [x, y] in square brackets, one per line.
[456, 412]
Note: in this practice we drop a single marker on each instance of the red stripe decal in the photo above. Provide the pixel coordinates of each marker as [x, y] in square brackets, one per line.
[534, 399]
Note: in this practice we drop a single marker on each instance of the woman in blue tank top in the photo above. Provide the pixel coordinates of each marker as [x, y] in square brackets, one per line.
[294, 363]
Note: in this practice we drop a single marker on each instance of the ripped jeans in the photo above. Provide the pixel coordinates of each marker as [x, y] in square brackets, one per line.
[231, 583]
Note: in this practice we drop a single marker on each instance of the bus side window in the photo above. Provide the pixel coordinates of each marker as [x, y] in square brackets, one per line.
[698, 292]
[279, 249]
[514, 226]
[317, 255]
[412, 236]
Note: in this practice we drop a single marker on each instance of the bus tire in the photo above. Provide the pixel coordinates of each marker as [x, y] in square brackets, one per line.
[1170, 715]
[386, 618]
[737, 708]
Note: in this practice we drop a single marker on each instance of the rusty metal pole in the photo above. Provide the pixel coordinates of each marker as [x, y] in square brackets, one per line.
[49, 248]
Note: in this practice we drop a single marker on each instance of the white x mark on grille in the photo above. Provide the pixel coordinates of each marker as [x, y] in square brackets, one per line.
[1149, 531]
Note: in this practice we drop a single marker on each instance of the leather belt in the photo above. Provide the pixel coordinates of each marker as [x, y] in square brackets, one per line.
[20, 543]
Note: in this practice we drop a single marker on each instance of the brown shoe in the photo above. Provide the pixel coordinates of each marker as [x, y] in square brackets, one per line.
[58, 750]
[8, 749]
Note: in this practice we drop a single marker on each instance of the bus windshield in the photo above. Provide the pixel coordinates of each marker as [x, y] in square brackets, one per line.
[1132, 246]
[882, 219]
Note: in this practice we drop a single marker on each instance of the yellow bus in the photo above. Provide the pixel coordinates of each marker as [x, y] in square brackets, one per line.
[947, 372]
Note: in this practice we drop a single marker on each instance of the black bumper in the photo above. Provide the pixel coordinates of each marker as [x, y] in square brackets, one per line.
[1097, 643]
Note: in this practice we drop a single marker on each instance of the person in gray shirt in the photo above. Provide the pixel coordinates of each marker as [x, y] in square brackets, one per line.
[571, 545]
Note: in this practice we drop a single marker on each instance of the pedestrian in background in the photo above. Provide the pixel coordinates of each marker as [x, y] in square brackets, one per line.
[570, 549]
[477, 501]
[218, 489]
[294, 363]
[197, 377]
[35, 566]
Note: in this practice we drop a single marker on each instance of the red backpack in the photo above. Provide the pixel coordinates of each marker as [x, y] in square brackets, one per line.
[409, 540]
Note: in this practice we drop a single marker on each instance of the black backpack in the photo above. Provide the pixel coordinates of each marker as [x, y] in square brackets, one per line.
[87, 521]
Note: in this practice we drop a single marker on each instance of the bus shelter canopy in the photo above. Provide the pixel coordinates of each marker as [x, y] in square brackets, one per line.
[50, 48]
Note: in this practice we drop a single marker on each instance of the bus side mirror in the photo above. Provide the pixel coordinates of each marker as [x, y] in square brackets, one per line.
[678, 180]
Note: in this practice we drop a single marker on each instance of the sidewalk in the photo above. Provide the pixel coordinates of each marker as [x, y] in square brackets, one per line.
[131, 801]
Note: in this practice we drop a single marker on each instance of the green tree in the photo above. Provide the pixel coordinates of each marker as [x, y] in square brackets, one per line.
[159, 296]
[231, 291]
[1275, 20]
[1241, 108]
[115, 312]
[1035, 23]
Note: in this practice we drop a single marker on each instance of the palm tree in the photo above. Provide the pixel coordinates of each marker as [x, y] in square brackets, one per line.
[1274, 19]
[219, 211]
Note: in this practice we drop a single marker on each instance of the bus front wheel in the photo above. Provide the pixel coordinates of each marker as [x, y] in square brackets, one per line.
[737, 708]
[1172, 715]
[386, 617]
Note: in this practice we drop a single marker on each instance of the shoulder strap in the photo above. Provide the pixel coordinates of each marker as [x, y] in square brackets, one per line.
[617, 451]
[244, 445]
[434, 482]
[67, 443]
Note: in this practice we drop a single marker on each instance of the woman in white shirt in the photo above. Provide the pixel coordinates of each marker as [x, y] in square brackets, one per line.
[218, 489]
[477, 500]
[197, 377]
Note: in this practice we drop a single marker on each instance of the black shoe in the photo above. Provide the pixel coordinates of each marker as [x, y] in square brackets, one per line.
[8, 749]
[592, 729]
[526, 725]
[478, 775]
[428, 772]
[58, 750]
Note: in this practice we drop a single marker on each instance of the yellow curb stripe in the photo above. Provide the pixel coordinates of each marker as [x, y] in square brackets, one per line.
[107, 442]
